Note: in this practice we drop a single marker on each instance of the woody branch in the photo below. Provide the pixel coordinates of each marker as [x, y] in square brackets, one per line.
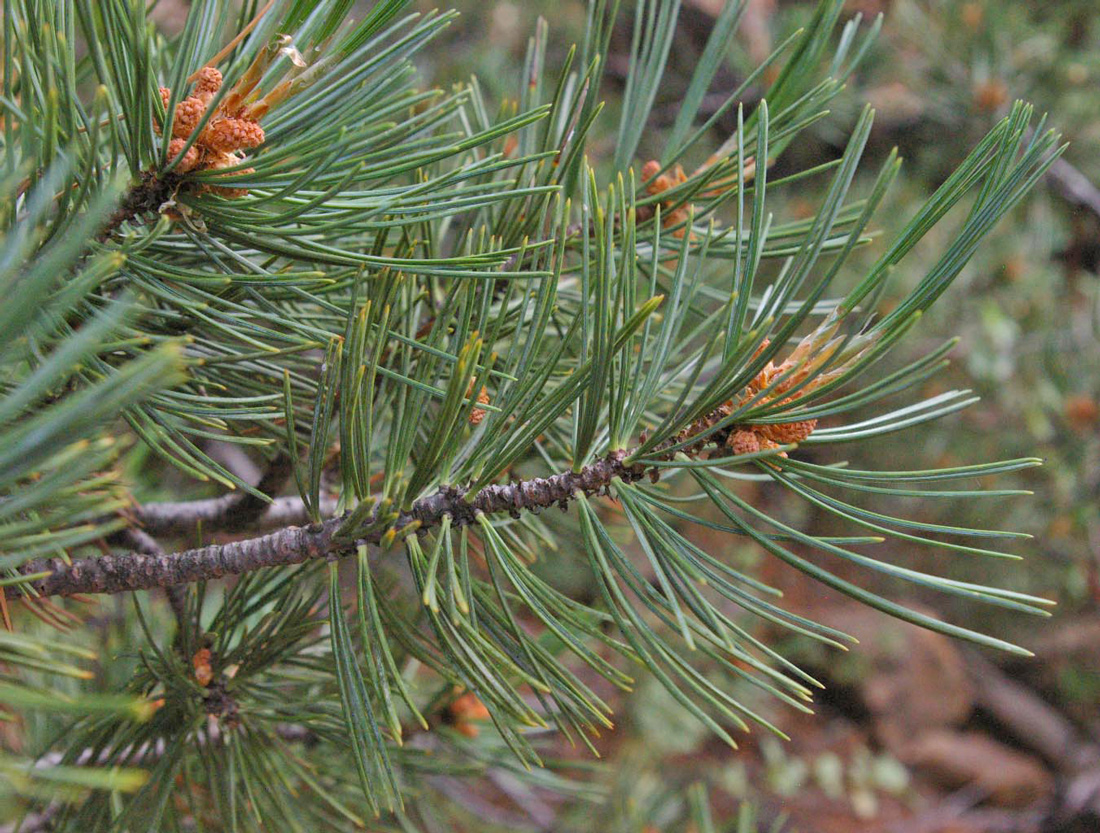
[124, 572]
[289, 545]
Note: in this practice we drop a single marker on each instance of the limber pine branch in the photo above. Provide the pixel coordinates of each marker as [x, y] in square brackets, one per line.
[290, 545]
[125, 572]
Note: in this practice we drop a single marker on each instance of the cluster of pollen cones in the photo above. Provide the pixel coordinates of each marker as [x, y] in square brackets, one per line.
[677, 215]
[748, 439]
[226, 134]
[820, 358]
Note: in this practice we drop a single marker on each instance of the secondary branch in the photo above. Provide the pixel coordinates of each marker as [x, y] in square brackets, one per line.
[235, 512]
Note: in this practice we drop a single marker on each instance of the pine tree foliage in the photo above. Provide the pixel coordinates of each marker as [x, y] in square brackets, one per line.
[432, 318]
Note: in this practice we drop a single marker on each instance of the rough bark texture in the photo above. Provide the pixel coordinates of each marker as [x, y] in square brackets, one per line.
[137, 571]
[293, 545]
[149, 566]
[142, 542]
[531, 495]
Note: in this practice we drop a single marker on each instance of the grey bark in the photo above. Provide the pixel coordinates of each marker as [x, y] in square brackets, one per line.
[124, 572]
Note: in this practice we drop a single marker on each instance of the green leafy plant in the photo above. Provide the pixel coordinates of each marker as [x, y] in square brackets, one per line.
[430, 321]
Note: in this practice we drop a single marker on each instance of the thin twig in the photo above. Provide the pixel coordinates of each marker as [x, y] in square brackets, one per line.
[234, 512]
[183, 517]
[1073, 185]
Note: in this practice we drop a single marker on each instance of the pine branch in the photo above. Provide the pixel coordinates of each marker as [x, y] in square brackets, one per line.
[294, 545]
[449, 289]
[148, 567]
[144, 543]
